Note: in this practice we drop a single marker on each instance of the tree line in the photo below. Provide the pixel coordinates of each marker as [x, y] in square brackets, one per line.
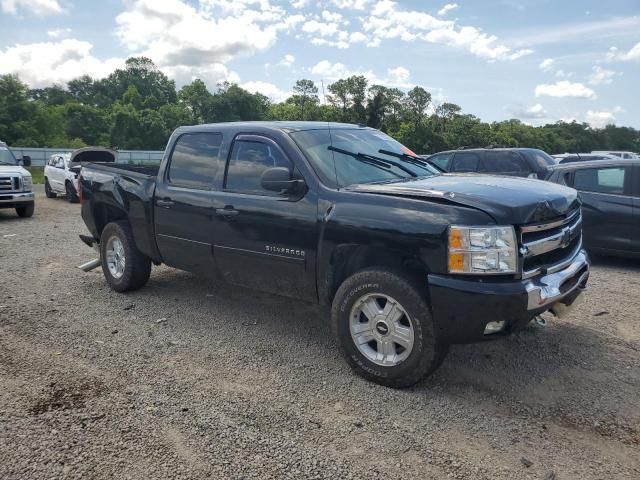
[138, 106]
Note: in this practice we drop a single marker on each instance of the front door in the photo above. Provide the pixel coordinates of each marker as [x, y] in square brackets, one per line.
[635, 232]
[607, 207]
[264, 240]
[183, 203]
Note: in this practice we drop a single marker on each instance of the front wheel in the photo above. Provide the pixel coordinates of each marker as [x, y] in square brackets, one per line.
[25, 211]
[124, 266]
[47, 189]
[72, 196]
[384, 329]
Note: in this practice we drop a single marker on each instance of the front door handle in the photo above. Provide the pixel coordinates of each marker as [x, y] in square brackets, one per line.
[227, 212]
[165, 202]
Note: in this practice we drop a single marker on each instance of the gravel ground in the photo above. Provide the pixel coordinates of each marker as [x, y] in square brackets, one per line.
[190, 379]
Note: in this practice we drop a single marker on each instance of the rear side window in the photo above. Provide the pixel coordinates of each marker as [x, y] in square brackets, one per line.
[601, 180]
[465, 162]
[505, 162]
[249, 159]
[441, 160]
[195, 160]
[542, 159]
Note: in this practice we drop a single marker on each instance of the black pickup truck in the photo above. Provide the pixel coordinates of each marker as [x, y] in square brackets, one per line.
[410, 259]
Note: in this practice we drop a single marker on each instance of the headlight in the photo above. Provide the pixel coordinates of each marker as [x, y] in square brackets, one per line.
[482, 250]
[27, 183]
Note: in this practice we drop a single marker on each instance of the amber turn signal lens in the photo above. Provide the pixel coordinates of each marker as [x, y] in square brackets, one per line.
[455, 238]
[456, 262]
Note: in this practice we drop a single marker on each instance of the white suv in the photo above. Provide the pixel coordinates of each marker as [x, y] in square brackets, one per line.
[59, 179]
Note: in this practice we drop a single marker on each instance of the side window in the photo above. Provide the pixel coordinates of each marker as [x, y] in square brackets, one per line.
[465, 162]
[249, 159]
[59, 162]
[442, 160]
[601, 180]
[195, 161]
[505, 162]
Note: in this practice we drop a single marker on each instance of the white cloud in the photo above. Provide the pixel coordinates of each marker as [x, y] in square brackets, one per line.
[42, 64]
[331, 16]
[351, 4]
[600, 119]
[299, 3]
[447, 8]
[59, 32]
[601, 76]
[395, 77]
[267, 89]
[547, 64]
[174, 33]
[357, 37]
[388, 21]
[320, 28]
[37, 7]
[631, 55]
[211, 75]
[533, 112]
[563, 89]
[287, 61]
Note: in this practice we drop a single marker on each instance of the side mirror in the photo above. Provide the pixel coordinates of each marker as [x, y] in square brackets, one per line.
[278, 179]
[25, 160]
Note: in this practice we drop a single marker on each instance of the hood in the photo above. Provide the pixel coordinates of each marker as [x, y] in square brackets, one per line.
[92, 154]
[13, 170]
[509, 200]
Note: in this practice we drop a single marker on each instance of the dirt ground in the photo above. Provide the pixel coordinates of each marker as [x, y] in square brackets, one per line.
[190, 379]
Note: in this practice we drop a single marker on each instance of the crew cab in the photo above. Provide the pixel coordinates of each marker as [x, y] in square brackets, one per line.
[15, 183]
[410, 259]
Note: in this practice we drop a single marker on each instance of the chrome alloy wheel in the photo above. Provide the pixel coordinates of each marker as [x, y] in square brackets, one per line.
[381, 329]
[115, 257]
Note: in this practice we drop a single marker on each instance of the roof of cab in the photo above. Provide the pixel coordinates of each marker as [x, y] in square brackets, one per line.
[286, 126]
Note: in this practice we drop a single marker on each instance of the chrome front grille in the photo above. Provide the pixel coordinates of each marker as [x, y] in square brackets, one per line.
[9, 184]
[548, 247]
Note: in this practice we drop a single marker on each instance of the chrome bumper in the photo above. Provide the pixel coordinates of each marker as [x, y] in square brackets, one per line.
[17, 197]
[546, 290]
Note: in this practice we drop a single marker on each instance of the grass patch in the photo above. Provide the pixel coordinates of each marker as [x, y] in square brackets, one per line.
[37, 173]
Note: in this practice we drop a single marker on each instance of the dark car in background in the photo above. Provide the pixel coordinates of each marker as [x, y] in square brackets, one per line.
[515, 162]
[582, 157]
[610, 191]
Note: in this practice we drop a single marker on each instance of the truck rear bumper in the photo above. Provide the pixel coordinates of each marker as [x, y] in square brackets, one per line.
[11, 200]
[462, 308]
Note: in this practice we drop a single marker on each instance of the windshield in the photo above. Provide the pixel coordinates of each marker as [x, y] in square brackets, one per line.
[543, 159]
[349, 170]
[6, 156]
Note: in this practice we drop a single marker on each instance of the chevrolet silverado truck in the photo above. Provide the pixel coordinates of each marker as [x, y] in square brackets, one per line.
[15, 183]
[410, 259]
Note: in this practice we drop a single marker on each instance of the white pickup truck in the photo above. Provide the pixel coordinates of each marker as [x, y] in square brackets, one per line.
[15, 183]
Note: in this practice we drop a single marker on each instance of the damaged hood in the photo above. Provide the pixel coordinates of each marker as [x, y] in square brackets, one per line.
[509, 200]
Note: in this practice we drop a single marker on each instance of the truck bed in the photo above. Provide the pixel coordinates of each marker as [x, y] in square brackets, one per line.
[142, 170]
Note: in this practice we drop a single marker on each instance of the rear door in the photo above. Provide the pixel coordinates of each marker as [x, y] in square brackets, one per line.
[56, 175]
[505, 162]
[607, 206]
[465, 162]
[635, 232]
[183, 208]
[264, 240]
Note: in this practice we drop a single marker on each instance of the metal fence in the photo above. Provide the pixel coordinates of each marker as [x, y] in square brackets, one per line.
[39, 156]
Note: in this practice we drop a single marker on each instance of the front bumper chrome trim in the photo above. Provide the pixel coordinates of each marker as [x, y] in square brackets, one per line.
[546, 290]
[17, 197]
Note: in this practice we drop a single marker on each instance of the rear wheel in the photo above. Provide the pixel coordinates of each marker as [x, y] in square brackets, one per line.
[384, 329]
[124, 266]
[26, 210]
[72, 196]
[47, 189]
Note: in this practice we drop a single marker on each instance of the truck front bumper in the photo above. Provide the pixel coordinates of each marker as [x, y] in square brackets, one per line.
[11, 200]
[462, 308]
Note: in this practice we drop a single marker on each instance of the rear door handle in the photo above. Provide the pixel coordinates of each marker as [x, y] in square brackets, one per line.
[165, 202]
[227, 212]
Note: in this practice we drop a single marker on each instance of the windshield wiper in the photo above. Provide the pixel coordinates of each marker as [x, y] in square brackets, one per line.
[421, 162]
[373, 160]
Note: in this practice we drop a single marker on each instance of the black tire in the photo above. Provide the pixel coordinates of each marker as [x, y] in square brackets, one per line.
[72, 196]
[137, 266]
[25, 211]
[427, 353]
[47, 189]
